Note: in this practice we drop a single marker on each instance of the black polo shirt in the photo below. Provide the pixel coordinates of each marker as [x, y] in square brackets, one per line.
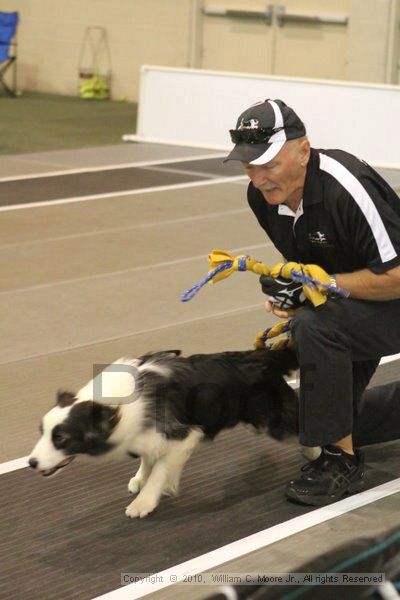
[349, 218]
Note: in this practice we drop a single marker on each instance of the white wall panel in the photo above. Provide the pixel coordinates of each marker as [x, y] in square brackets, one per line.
[189, 106]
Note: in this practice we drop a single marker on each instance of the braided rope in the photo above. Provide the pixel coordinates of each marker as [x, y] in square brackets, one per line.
[312, 283]
[242, 264]
[298, 276]
[281, 331]
[284, 329]
[191, 292]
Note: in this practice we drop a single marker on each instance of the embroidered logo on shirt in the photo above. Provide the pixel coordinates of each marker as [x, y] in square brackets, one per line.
[318, 238]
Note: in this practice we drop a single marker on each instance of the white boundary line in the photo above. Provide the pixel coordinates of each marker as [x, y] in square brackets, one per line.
[387, 359]
[13, 465]
[128, 165]
[251, 543]
[133, 137]
[160, 188]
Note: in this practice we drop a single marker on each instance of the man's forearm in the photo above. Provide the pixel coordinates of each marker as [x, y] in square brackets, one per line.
[366, 285]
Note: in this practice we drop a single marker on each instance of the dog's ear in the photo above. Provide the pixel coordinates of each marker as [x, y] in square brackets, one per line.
[102, 420]
[64, 398]
[91, 438]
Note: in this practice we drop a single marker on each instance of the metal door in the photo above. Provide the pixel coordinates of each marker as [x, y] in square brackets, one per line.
[311, 38]
[306, 38]
[237, 36]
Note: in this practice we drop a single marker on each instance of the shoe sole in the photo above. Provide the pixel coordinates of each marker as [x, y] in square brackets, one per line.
[323, 500]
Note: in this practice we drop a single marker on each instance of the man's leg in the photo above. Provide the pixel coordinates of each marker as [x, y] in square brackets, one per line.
[326, 378]
[362, 373]
[378, 415]
[338, 347]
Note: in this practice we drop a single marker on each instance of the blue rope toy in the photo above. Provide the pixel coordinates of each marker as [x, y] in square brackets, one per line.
[298, 276]
[224, 265]
[191, 292]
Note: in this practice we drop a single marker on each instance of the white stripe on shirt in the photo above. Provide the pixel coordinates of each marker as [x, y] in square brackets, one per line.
[364, 202]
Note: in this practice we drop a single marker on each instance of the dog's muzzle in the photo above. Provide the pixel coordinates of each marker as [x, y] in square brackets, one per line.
[33, 463]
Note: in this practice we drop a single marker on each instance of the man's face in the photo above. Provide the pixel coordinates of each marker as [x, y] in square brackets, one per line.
[281, 180]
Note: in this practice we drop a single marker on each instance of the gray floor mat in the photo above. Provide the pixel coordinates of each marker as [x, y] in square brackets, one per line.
[68, 537]
[77, 185]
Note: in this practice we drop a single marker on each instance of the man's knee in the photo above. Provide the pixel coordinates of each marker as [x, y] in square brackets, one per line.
[310, 322]
[304, 323]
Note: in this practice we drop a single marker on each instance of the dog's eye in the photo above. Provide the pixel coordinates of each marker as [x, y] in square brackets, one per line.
[60, 439]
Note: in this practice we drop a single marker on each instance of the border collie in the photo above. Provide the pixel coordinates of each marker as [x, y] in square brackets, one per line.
[159, 406]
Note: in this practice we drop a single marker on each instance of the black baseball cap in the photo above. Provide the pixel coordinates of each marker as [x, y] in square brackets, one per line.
[261, 131]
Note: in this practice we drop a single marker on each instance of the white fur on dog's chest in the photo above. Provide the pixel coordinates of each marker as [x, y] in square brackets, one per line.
[149, 443]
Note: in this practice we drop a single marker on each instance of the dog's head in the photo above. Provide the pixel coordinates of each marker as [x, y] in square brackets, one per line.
[72, 427]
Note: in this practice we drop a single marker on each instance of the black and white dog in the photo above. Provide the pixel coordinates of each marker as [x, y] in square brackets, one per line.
[160, 406]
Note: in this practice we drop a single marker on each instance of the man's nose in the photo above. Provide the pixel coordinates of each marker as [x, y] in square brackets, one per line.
[33, 463]
[258, 177]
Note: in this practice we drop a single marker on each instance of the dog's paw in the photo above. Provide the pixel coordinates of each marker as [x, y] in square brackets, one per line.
[134, 485]
[140, 507]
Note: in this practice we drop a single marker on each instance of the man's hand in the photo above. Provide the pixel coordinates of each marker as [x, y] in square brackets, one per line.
[281, 314]
[284, 295]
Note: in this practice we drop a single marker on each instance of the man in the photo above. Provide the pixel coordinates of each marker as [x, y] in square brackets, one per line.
[327, 207]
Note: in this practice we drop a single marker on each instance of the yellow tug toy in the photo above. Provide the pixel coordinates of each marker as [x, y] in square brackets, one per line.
[315, 281]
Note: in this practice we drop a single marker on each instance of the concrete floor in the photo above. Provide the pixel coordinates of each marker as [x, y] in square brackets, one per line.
[86, 282]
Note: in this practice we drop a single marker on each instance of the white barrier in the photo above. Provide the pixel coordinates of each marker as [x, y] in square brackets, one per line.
[197, 108]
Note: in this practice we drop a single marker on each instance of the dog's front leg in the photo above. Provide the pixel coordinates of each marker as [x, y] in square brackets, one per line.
[151, 492]
[139, 480]
[164, 476]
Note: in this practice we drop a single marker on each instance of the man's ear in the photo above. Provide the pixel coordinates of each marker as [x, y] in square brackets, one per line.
[304, 152]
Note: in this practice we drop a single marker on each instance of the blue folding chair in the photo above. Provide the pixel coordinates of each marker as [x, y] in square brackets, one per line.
[8, 50]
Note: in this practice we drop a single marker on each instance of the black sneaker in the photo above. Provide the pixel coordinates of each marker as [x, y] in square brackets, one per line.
[327, 479]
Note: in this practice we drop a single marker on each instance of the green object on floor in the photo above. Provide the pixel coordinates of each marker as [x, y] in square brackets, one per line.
[94, 88]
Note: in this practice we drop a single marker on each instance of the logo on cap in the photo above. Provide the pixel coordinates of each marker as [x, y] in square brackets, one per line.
[248, 124]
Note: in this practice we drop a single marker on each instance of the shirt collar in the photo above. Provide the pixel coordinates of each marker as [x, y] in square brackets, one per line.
[288, 212]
